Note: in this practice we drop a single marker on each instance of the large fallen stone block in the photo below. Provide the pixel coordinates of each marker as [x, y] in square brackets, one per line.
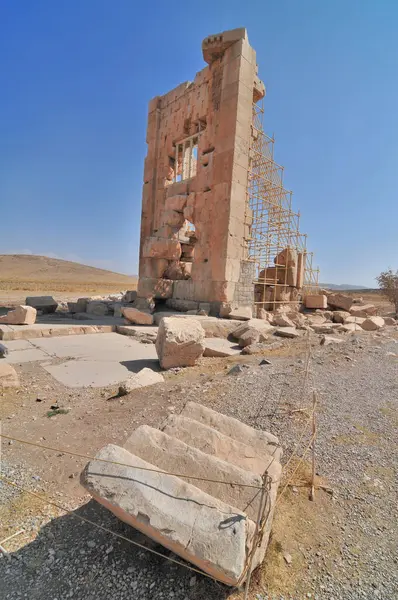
[372, 323]
[316, 301]
[136, 316]
[173, 455]
[231, 427]
[8, 376]
[260, 325]
[365, 310]
[143, 378]
[207, 532]
[46, 304]
[180, 342]
[358, 320]
[339, 316]
[340, 301]
[251, 336]
[21, 315]
[282, 320]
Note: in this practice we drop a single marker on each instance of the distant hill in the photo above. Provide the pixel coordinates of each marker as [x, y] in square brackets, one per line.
[342, 286]
[26, 271]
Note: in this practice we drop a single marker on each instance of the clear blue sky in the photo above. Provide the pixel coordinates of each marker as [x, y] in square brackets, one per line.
[75, 80]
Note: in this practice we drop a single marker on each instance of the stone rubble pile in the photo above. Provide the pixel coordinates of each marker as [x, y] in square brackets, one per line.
[205, 521]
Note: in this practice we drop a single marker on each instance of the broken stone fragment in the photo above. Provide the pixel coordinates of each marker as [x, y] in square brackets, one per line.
[390, 321]
[288, 332]
[180, 342]
[340, 301]
[258, 324]
[365, 310]
[282, 320]
[218, 347]
[372, 323]
[143, 378]
[21, 315]
[46, 304]
[339, 316]
[8, 376]
[251, 336]
[139, 317]
[242, 313]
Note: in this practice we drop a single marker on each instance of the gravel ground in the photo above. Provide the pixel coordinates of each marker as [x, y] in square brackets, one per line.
[340, 547]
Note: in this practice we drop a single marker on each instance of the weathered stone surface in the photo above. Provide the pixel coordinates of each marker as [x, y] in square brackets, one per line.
[144, 304]
[316, 319]
[220, 347]
[372, 323]
[21, 315]
[130, 296]
[133, 315]
[340, 301]
[288, 332]
[242, 313]
[173, 455]
[180, 342]
[258, 324]
[327, 327]
[316, 301]
[339, 316]
[282, 320]
[46, 304]
[80, 306]
[217, 328]
[365, 310]
[182, 305]
[143, 378]
[358, 320]
[156, 247]
[3, 351]
[96, 307]
[390, 321]
[8, 376]
[230, 426]
[213, 442]
[172, 512]
[154, 287]
[251, 336]
[351, 327]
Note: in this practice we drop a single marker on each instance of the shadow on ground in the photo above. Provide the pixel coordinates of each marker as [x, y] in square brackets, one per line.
[74, 559]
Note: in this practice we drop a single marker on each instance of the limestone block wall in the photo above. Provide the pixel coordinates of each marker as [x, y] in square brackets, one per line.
[195, 218]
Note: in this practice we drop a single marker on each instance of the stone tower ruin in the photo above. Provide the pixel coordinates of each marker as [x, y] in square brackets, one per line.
[197, 240]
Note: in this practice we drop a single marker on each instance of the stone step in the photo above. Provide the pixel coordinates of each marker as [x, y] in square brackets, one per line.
[201, 529]
[209, 440]
[172, 455]
[206, 522]
[261, 440]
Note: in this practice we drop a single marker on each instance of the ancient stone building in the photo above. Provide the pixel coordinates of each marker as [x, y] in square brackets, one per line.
[195, 214]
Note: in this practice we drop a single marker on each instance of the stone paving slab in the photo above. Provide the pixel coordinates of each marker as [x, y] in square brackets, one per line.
[26, 332]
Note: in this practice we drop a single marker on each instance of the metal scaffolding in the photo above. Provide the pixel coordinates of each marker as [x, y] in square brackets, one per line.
[274, 228]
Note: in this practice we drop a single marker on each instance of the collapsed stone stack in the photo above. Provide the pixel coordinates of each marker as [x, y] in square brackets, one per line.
[208, 516]
[281, 283]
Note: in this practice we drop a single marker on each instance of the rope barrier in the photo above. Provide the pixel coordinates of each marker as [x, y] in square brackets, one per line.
[118, 535]
[121, 464]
